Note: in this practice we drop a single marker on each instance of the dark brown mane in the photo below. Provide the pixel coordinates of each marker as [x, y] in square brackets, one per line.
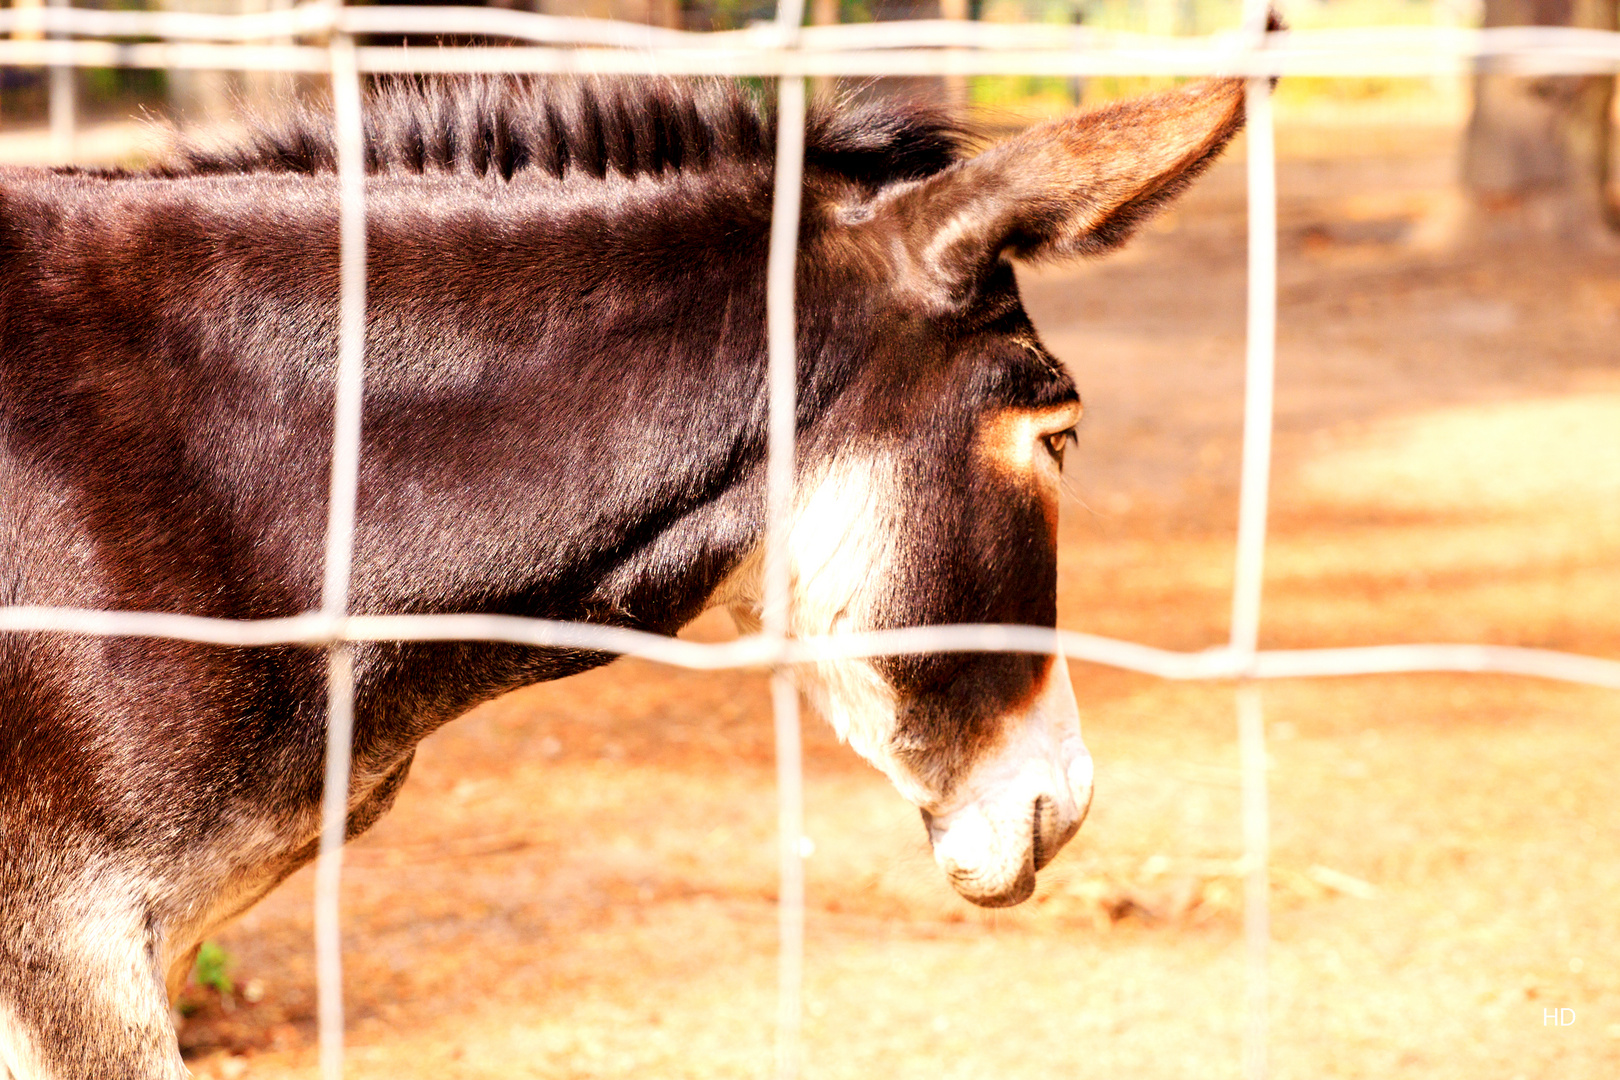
[636, 127]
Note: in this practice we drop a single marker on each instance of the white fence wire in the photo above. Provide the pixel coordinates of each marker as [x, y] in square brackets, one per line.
[789, 52]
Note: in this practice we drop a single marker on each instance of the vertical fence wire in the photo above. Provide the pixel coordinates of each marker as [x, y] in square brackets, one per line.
[781, 426]
[780, 334]
[1260, 371]
[1249, 571]
[340, 530]
[1256, 882]
[790, 901]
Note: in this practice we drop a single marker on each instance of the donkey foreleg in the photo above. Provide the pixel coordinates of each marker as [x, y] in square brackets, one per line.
[82, 998]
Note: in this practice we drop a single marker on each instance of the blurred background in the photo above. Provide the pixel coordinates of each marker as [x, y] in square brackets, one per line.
[579, 880]
[1546, 142]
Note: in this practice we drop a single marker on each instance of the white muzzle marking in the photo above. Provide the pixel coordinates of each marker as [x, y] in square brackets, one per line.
[1018, 807]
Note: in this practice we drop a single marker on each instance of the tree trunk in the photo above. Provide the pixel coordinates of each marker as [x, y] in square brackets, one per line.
[1536, 158]
[956, 86]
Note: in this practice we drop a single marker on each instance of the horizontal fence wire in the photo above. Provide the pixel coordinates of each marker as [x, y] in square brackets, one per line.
[317, 630]
[914, 47]
[789, 52]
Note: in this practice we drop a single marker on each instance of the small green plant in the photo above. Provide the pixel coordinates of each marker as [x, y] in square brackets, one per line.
[213, 969]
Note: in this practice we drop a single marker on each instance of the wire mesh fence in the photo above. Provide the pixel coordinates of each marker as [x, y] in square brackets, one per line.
[62, 38]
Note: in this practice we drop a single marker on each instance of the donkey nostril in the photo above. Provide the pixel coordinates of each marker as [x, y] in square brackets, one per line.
[1051, 831]
[1043, 809]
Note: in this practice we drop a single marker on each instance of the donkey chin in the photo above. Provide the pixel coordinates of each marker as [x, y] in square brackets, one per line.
[1016, 809]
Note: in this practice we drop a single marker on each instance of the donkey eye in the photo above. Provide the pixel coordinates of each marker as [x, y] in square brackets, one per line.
[1056, 442]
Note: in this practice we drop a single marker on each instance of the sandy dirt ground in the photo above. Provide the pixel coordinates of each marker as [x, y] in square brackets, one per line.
[579, 879]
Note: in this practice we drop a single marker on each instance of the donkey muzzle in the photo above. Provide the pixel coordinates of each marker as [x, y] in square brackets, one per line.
[1020, 807]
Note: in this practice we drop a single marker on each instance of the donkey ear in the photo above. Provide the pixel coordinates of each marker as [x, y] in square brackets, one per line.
[1071, 187]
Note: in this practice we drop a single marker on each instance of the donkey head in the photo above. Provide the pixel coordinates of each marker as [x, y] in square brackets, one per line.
[928, 491]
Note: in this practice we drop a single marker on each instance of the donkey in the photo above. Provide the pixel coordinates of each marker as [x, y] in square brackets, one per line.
[564, 418]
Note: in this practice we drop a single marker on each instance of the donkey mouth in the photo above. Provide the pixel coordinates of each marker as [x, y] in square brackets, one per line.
[1047, 837]
[1011, 894]
[993, 864]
